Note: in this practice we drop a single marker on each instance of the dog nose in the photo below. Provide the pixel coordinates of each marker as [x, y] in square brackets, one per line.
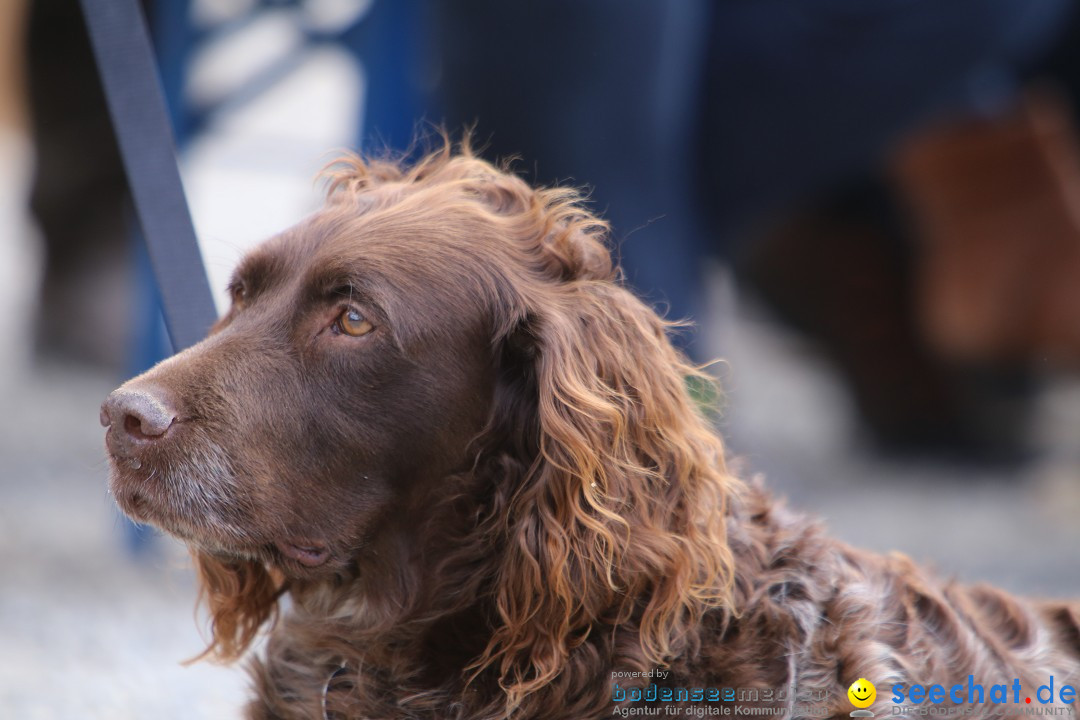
[135, 417]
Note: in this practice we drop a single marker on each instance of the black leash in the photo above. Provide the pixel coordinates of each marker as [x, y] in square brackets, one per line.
[128, 73]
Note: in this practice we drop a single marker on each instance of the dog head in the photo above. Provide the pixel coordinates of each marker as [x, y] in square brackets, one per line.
[433, 321]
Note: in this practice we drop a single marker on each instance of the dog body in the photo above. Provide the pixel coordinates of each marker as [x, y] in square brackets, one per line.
[435, 420]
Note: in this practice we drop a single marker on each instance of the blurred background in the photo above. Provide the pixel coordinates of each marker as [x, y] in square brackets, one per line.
[870, 209]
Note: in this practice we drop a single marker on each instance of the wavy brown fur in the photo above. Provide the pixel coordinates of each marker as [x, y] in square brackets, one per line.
[538, 504]
[240, 597]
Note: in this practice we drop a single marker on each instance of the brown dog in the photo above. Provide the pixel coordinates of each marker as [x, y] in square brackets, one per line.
[435, 420]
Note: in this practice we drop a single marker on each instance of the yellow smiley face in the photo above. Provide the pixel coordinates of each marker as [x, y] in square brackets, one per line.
[862, 693]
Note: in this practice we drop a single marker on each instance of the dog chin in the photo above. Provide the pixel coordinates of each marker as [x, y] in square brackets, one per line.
[146, 508]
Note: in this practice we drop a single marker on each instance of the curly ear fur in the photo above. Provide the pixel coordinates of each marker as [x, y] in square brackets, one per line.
[240, 595]
[618, 520]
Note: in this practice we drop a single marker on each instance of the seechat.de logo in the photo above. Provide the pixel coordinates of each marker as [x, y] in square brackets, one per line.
[976, 693]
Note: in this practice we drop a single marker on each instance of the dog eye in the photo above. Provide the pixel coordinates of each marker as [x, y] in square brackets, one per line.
[352, 323]
[238, 291]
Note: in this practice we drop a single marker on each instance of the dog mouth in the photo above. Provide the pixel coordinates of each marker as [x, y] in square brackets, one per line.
[145, 504]
[147, 509]
[308, 553]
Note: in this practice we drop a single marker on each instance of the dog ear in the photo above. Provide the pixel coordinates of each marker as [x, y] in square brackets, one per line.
[240, 596]
[617, 515]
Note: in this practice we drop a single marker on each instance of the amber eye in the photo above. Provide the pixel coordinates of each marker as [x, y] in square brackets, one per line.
[238, 291]
[351, 322]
